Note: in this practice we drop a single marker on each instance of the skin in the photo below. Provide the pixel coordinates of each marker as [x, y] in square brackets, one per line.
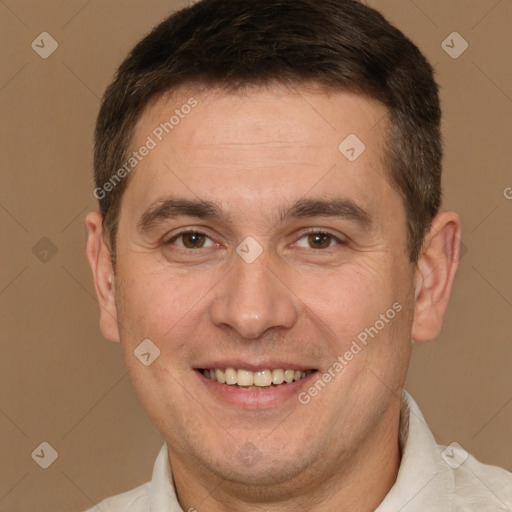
[255, 154]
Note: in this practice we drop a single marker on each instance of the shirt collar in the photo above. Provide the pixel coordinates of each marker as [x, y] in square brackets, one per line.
[163, 492]
[425, 483]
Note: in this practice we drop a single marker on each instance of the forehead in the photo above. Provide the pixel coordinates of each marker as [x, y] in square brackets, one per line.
[296, 115]
[252, 145]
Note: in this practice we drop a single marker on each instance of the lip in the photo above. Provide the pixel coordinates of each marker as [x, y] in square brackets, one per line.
[254, 398]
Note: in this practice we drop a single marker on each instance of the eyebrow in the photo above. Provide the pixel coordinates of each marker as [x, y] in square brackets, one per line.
[171, 208]
[337, 207]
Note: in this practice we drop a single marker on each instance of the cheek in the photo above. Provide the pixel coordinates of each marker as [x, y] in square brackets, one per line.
[159, 303]
[348, 296]
[359, 308]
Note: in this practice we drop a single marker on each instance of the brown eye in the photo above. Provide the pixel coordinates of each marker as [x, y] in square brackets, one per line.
[193, 240]
[319, 240]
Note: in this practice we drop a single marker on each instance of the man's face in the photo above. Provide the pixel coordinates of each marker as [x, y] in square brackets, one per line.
[300, 251]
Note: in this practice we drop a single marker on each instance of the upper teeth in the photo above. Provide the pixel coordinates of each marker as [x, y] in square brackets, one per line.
[260, 378]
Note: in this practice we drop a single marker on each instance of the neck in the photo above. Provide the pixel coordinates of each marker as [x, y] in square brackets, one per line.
[357, 480]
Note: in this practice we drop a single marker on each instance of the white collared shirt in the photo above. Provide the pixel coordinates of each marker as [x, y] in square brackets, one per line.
[431, 478]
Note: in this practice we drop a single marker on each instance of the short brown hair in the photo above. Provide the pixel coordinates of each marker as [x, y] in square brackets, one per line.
[340, 44]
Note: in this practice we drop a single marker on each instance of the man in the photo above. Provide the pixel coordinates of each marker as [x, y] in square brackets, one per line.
[269, 241]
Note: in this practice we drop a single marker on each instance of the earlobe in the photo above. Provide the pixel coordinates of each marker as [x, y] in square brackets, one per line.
[100, 261]
[435, 272]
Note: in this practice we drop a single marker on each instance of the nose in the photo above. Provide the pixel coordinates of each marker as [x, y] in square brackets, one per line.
[252, 299]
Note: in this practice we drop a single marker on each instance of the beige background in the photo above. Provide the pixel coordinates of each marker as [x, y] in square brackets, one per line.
[62, 383]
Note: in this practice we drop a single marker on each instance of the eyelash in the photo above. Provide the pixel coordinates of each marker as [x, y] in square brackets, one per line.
[307, 233]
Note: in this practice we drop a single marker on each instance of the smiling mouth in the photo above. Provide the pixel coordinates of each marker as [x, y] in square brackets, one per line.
[263, 379]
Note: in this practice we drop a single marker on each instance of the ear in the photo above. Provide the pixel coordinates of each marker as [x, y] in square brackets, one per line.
[100, 260]
[434, 275]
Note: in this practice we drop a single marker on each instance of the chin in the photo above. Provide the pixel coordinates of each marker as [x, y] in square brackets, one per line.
[259, 464]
